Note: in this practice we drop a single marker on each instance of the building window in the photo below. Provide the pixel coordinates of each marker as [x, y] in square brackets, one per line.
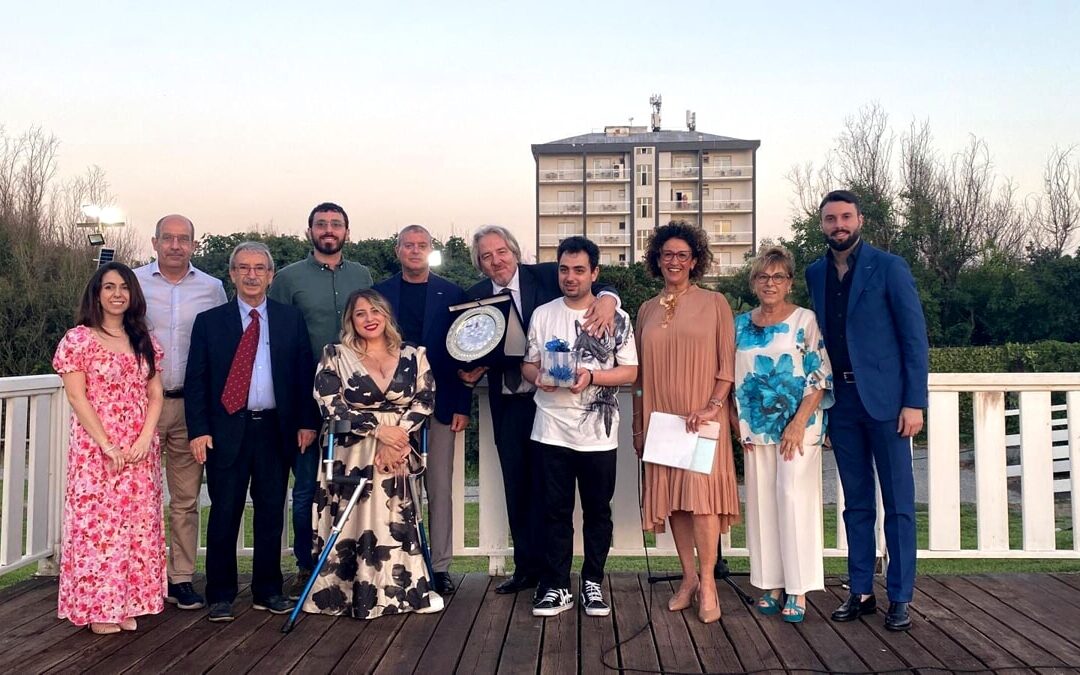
[644, 207]
[643, 151]
[599, 163]
[645, 176]
[643, 238]
[723, 161]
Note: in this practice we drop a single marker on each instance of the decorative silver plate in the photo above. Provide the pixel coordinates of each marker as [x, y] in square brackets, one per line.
[475, 333]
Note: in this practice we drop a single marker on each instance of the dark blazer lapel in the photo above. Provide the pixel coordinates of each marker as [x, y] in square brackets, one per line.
[234, 327]
[527, 286]
[865, 267]
[434, 302]
[817, 289]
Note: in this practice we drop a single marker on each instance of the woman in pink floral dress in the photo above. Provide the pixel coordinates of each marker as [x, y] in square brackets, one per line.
[112, 558]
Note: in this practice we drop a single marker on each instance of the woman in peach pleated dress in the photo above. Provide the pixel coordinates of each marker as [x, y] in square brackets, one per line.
[686, 340]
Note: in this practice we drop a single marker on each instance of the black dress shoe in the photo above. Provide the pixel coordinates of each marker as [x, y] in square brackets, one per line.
[275, 604]
[853, 608]
[442, 583]
[897, 618]
[515, 584]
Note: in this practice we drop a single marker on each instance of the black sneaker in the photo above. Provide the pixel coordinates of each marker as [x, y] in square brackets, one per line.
[183, 595]
[592, 599]
[221, 612]
[275, 604]
[296, 585]
[554, 601]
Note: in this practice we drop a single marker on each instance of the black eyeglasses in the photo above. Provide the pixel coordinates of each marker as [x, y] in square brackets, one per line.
[775, 278]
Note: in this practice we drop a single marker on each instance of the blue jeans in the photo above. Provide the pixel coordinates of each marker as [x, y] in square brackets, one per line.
[305, 471]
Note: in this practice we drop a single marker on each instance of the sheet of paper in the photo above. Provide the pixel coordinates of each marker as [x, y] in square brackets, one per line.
[669, 443]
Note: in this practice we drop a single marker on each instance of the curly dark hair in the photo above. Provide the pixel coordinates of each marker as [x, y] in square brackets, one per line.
[693, 235]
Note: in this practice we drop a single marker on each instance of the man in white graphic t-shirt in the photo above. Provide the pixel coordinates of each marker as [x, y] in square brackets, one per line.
[576, 427]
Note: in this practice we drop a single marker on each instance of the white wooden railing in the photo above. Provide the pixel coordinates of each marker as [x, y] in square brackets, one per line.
[34, 445]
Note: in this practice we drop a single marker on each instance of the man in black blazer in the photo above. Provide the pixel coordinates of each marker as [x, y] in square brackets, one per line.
[421, 301]
[249, 407]
[497, 255]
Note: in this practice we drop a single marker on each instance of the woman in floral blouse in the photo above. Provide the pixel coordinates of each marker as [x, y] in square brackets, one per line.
[782, 374]
[386, 390]
[112, 556]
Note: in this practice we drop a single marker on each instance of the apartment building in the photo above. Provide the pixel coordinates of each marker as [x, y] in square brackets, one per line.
[615, 187]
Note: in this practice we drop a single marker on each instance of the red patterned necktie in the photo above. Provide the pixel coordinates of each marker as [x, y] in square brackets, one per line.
[234, 396]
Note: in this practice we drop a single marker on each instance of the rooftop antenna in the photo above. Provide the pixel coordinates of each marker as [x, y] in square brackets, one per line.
[691, 121]
[655, 101]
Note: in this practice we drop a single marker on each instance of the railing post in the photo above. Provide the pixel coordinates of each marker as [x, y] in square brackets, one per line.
[943, 470]
[494, 529]
[1037, 473]
[991, 481]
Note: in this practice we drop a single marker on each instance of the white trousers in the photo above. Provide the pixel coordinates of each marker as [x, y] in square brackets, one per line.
[783, 519]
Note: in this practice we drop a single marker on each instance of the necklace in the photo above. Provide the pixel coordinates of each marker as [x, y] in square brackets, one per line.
[669, 302]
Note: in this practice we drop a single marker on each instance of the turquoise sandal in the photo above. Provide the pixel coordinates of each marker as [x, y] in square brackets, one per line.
[796, 612]
[769, 604]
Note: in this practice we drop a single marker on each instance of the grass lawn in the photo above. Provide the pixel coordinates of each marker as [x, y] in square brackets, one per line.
[738, 536]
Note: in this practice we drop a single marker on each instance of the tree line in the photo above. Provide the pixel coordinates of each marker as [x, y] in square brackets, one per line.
[991, 267]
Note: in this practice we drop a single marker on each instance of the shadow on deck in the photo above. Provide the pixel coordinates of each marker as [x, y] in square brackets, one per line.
[960, 623]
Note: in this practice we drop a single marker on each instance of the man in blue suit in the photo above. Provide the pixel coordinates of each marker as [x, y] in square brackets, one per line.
[875, 333]
[421, 301]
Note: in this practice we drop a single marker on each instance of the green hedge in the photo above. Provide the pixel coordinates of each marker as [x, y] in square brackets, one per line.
[1048, 356]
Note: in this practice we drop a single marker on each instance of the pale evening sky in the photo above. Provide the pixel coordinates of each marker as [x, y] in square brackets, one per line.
[243, 113]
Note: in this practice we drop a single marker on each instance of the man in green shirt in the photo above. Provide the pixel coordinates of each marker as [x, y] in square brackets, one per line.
[318, 285]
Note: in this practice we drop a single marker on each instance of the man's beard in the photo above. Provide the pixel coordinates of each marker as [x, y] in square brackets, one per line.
[852, 239]
[328, 248]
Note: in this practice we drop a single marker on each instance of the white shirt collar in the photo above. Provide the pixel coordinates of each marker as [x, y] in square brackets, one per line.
[156, 270]
[245, 309]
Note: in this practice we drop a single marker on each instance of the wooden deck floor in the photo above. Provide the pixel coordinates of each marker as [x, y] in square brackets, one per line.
[1013, 622]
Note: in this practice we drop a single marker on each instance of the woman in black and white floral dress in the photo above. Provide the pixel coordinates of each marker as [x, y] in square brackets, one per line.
[386, 390]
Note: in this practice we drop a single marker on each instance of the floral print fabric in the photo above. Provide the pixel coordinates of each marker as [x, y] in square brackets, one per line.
[376, 566]
[775, 367]
[112, 555]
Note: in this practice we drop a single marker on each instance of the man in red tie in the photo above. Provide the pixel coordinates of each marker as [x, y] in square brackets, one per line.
[249, 410]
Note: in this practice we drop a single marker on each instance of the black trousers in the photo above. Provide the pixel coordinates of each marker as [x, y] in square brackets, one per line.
[260, 463]
[522, 480]
[593, 475]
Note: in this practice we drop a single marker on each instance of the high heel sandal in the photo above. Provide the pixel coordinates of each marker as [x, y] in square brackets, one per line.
[796, 613]
[709, 615]
[769, 604]
[681, 600]
[104, 628]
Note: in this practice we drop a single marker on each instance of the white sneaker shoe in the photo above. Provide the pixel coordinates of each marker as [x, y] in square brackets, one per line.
[554, 601]
[592, 599]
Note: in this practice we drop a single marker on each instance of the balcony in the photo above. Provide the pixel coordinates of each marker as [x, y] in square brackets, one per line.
[559, 208]
[731, 237]
[600, 207]
[679, 173]
[549, 239]
[722, 270]
[560, 175]
[727, 205]
[727, 172]
[610, 238]
[616, 173]
[679, 206]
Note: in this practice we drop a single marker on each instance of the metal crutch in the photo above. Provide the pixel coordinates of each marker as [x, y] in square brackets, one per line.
[418, 502]
[336, 427]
